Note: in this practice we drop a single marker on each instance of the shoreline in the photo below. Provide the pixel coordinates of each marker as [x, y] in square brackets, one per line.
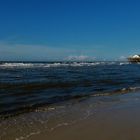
[109, 117]
[113, 122]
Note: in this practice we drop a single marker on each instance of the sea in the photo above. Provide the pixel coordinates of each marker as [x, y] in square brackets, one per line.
[27, 87]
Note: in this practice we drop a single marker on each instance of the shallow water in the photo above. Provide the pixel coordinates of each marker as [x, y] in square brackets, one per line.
[24, 87]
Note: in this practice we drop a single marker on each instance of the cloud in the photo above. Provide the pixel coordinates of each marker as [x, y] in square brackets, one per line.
[26, 52]
[14, 51]
[39, 52]
[79, 58]
[123, 58]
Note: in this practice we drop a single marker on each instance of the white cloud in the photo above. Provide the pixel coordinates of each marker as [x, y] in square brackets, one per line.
[122, 58]
[13, 51]
[32, 52]
[79, 58]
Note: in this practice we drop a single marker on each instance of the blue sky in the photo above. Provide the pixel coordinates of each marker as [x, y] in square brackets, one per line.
[62, 29]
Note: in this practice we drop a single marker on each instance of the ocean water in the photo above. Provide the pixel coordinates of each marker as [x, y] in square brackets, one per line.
[27, 86]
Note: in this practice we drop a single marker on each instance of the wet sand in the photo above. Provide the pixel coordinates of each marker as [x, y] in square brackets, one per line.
[113, 122]
[122, 123]
[102, 118]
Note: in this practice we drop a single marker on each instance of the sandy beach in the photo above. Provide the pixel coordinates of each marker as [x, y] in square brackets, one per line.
[110, 118]
[118, 122]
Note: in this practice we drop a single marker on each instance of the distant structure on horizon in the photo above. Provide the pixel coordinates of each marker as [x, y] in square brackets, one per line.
[134, 58]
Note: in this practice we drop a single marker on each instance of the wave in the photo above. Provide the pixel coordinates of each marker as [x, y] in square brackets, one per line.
[58, 64]
[16, 65]
[58, 99]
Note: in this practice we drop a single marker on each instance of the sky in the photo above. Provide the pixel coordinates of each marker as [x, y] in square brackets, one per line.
[41, 30]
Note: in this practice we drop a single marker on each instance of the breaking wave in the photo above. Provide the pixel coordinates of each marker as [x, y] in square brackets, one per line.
[16, 65]
[57, 64]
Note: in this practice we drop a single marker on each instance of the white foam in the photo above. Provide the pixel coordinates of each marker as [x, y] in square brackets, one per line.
[57, 64]
[124, 63]
[16, 65]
